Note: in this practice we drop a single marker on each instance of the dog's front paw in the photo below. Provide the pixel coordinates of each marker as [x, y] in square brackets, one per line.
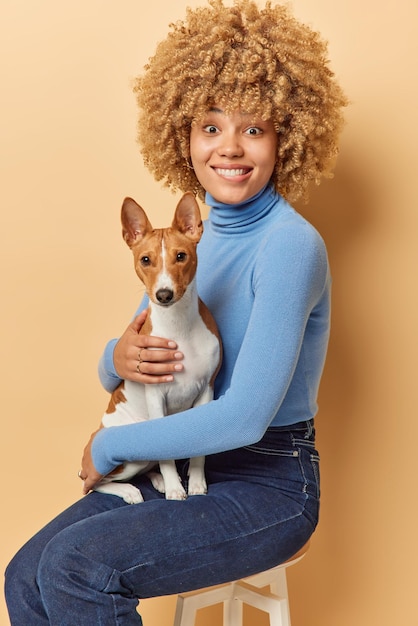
[126, 491]
[174, 490]
[178, 493]
[130, 494]
[197, 488]
[173, 487]
[157, 481]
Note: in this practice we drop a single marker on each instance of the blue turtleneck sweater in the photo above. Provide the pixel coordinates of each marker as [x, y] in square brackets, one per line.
[263, 272]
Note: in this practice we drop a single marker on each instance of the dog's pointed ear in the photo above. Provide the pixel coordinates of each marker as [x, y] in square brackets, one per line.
[134, 222]
[187, 217]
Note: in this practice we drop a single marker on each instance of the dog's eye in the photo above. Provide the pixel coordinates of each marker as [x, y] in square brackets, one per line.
[145, 260]
[181, 257]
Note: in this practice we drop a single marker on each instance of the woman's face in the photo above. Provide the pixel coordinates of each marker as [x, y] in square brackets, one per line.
[233, 156]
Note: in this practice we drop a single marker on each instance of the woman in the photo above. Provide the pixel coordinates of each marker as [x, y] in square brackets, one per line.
[238, 105]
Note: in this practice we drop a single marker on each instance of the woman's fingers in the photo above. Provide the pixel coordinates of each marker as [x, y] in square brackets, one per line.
[145, 358]
[152, 355]
[157, 366]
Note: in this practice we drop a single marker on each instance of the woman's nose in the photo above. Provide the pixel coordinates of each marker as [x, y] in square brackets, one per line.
[230, 145]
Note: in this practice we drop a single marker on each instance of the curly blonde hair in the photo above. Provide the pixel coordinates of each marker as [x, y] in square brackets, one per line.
[259, 61]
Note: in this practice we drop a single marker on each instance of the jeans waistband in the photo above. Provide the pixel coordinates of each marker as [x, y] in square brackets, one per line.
[305, 425]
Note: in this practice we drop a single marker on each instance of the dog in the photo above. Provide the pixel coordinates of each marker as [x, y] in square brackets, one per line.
[165, 261]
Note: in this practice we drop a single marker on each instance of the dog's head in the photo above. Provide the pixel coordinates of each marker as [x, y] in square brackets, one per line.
[165, 258]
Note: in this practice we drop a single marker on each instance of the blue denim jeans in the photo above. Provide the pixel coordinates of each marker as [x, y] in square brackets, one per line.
[91, 564]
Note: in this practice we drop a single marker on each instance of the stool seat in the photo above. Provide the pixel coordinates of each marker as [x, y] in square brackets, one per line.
[251, 590]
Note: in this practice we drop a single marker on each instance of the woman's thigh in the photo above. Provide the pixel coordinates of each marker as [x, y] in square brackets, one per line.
[261, 507]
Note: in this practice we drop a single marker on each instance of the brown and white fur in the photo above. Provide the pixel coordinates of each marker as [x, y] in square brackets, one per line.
[165, 261]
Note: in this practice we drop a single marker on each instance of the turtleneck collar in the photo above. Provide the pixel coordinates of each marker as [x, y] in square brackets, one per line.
[243, 216]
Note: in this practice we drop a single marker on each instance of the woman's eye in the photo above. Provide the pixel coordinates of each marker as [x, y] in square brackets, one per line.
[253, 131]
[145, 260]
[181, 257]
[211, 129]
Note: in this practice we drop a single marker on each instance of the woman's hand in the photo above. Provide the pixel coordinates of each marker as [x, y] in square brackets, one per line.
[88, 472]
[145, 359]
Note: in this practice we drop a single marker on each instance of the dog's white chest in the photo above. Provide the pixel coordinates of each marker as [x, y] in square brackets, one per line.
[192, 386]
[201, 356]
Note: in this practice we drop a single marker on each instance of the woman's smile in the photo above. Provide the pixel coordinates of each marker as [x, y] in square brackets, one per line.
[232, 172]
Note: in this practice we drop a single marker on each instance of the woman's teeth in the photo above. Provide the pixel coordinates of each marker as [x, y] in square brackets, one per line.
[231, 173]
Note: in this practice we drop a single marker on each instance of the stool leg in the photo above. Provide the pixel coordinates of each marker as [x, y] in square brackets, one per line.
[275, 606]
[279, 616]
[279, 587]
[233, 611]
[185, 615]
[189, 602]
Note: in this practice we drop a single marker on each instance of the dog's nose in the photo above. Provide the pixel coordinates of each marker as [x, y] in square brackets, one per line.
[165, 296]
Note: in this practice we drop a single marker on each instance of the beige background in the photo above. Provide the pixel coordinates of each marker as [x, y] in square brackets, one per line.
[68, 157]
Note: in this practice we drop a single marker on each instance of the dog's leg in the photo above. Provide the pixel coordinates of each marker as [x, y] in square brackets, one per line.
[157, 481]
[111, 485]
[174, 490]
[197, 480]
[126, 491]
[169, 481]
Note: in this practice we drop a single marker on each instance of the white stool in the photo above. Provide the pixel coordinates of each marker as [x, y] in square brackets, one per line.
[251, 591]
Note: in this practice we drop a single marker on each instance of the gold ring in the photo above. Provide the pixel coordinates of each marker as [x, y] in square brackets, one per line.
[139, 355]
[138, 367]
